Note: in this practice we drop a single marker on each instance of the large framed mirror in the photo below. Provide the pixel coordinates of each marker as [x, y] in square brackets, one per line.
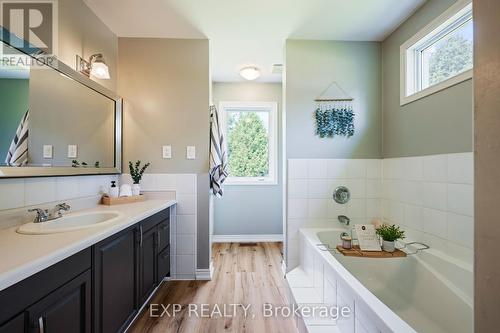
[55, 121]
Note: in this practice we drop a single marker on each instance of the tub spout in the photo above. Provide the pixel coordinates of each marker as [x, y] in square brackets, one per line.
[344, 219]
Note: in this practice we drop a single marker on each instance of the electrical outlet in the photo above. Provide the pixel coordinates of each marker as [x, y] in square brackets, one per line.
[167, 151]
[72, 151]
[47, 151]
[191, 152]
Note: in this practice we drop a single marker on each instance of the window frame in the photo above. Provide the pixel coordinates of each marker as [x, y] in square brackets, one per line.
[272, 108]
[452, 19]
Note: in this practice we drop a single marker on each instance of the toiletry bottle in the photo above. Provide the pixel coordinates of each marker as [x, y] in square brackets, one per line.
[113, 191]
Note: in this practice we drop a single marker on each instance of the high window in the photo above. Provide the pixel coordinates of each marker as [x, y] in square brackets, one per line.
[440, 55]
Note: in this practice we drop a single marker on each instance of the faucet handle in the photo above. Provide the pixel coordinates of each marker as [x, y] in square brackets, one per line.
[41, 214]
[63, 206]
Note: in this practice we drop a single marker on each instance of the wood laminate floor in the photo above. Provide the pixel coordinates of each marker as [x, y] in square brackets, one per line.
[244, 274]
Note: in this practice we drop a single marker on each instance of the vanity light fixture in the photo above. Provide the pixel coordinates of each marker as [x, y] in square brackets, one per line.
[250, 73]
[95, 66]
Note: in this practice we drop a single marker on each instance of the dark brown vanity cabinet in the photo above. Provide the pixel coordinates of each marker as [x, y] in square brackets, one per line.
[115, 277]
[148, 263]
[68, 309]
[98, 290]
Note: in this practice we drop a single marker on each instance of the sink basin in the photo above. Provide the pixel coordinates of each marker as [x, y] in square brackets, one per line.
[70, 222]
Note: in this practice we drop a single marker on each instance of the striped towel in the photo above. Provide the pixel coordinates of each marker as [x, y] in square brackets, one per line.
[18, 152]
[218, 155]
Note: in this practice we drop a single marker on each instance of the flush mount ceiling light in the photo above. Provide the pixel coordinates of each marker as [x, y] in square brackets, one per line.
[96, 66]
[250, 73]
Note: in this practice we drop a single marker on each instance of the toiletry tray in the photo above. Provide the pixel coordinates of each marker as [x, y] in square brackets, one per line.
[122, 200]
[356, 252]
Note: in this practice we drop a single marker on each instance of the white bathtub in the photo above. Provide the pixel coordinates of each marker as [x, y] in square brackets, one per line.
[427, 292]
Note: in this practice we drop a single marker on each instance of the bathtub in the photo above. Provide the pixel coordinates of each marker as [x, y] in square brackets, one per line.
[427, 292]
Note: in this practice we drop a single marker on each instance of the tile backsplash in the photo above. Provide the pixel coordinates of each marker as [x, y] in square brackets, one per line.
[311, 183]
[20, 194]
[431, 197]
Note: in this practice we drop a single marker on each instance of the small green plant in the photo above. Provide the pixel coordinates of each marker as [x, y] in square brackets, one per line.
[390, 233]
[136, 171]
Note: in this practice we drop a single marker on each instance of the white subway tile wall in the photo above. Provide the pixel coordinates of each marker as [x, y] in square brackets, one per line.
[310, 190]
[183, 224]
[431, 197]
[436, 194]
[19, 195]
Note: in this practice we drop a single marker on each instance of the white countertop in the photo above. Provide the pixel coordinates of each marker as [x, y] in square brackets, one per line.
[25, 255]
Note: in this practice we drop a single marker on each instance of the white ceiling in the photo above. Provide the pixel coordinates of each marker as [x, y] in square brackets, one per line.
[244, 32]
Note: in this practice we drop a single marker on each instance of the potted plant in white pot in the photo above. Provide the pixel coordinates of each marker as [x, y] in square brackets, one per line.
[136, 172]
[390, 234]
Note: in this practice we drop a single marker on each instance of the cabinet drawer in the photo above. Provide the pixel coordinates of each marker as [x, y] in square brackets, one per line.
[28, 291]
[163, 235]
[164, 264]
[155, 219]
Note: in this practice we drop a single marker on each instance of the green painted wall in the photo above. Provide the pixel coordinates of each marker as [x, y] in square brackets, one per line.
[311, 66]
[436, 124]
[14, 103]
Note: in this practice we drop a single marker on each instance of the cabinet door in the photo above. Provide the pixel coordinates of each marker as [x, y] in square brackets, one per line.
[67, 309]
[147, 259]
[163, 235]
[164, 264]
[15, 325]
[115, 280]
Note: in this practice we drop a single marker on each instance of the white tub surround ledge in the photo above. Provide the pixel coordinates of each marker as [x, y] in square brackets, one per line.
[25, 255]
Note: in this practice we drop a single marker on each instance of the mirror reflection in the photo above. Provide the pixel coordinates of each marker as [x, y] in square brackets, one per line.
[50, 120]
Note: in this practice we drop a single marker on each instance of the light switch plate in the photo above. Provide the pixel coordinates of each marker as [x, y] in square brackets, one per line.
[72, 151]
[47, 151]
[167, 151]
[190, 152]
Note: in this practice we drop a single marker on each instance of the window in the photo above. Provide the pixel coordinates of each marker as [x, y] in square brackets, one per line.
[251, 134]
[440, 55]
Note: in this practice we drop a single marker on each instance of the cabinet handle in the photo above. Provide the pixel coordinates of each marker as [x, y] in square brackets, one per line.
[141, 234]
[41, 325]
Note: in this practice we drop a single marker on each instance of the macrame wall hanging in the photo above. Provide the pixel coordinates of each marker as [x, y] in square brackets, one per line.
[334, 113]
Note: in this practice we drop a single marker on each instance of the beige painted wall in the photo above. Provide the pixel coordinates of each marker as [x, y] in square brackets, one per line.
[437, 124]
[82, 33]
[487, 159]
[165, 85]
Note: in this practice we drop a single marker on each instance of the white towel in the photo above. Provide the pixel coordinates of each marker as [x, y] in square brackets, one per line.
[18, 151]
[218, 154]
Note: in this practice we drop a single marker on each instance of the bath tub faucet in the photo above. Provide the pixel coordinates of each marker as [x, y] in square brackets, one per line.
[344, 219]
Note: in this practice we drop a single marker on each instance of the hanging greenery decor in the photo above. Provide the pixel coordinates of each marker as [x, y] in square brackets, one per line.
[334, 118]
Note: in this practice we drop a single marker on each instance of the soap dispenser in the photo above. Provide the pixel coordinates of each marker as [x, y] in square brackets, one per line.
[113, 191]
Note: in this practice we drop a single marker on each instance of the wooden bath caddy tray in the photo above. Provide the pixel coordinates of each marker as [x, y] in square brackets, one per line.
[122, 200]
[356, 252]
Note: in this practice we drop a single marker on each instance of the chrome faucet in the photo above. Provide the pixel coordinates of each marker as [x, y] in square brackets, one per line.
[43, 215]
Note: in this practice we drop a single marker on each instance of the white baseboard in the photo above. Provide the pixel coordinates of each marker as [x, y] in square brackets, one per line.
[206, 273]
[246, 238]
